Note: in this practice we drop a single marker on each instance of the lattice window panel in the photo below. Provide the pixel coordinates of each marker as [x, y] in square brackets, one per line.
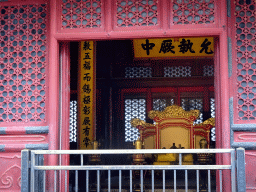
[213, 135]
[193, 12]
[245, 58]
[134, 108]
[177, 71]
[23, 62]
[132, 13]
[212, 107]
[208, 71]
[81, 14]
[191, 104]
[73, 121]
[138, 72]
[161, 104]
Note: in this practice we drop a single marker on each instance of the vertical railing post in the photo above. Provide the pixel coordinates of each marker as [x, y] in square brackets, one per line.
[32, 171]
[25, 170]
[233, 170]
[240, 163]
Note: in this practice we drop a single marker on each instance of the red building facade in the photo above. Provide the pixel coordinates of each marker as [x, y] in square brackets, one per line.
[35, 66]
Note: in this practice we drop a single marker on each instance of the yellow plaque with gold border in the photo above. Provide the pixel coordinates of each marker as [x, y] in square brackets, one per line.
[174, 47]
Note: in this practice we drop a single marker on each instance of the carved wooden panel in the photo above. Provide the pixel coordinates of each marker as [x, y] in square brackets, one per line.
[23, 63]
[250, 168]
[10, 172]
[244, 137]
[243, 41]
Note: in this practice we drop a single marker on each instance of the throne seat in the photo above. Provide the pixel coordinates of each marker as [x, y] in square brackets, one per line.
[173, 126]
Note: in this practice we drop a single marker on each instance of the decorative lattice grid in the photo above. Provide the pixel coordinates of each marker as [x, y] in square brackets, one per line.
[161, 104]
[131, 13]
[73, 121]
[208, 71]
[245, 58]
[138, 72]
[212, 108]
[213, 135]
[191, 104]
[23, 54]
[134, 108]
[177, 71]
[81, 14]
[193, 12]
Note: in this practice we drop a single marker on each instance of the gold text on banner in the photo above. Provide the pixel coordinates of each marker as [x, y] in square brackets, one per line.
[174, 47]
[85, 95]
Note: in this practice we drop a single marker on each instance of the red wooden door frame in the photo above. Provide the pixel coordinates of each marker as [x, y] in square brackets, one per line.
[221, 98]
[221, 73]
[220, 130]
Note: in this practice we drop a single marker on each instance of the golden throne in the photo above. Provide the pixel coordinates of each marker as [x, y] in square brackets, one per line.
[173, 128]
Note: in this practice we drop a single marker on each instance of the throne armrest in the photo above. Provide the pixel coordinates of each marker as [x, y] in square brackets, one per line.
[202, 131]
[145, 129]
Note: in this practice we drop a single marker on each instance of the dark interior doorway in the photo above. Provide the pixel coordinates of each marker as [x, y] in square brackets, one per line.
[156, 83]
[128, 88]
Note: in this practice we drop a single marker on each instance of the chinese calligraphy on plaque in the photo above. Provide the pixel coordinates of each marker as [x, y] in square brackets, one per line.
[174, 47]
[85, 95]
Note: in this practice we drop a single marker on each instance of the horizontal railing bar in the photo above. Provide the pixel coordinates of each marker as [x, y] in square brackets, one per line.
[132, 151]
[135, 167]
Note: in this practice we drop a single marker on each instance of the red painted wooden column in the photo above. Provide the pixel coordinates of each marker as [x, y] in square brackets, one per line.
[23, 85]
[242, 80]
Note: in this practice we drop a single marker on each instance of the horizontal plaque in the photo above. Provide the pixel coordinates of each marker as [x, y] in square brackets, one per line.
[174, 47]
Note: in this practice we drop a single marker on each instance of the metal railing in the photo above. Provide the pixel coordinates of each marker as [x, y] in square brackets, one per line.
[38, 176]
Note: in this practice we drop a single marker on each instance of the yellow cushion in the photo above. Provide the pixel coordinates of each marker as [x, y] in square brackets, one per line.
[162, 163]
[188, 157]
[187, 163]
[166, 157]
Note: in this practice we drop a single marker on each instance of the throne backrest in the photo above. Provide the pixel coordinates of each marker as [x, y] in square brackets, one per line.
[173, 125]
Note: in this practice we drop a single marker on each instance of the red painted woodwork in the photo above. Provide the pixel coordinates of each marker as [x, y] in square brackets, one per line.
[243, 42]
[108, 30]
[193, 12]
[81, 14]
[244, 136]
[250, 159]
[136, 14]
[24, 61]
[127, 15]
[10, 173]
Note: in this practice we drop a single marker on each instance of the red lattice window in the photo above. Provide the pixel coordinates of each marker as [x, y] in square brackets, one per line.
[177, 71]
[161, 103]
[193, 12]
[23, 63]
[134, 108]
[244, 41]
[81, 14]
[130, 13]
[73, 121]
[208, 70]
[138, 72]
[193, 104]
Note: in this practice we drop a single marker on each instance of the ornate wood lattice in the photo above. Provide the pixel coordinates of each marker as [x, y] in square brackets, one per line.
[134, 108]
[89, 15]
[73, 121]
[138, 72]
[193, 12]
[23, 62]
[177, 71]
[244, 13]
[131, 13]
[81, 14]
